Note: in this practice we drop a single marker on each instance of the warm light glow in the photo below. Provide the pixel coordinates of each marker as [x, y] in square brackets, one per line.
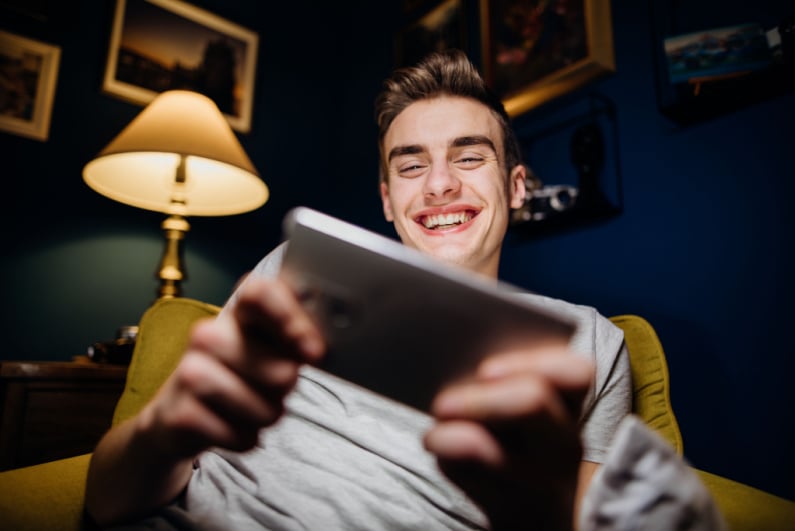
[147, 180]
[140, 166]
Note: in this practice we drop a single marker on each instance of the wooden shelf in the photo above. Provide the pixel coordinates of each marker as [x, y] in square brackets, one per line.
[51, 410]
[686, 104]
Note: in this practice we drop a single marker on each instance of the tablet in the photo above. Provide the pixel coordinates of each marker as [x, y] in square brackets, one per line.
[399, 322]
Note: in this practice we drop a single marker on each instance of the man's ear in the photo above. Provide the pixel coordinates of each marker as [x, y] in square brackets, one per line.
[516, 186]
[387, 206]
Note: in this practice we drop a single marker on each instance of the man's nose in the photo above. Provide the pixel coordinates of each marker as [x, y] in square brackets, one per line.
[441, 182]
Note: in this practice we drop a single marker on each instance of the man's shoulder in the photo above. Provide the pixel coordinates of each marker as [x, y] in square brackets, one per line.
[563, 307]
[271, 263]
[595, 332]
[268, 267]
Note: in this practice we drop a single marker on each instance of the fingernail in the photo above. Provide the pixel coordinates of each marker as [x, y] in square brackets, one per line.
[446, 404]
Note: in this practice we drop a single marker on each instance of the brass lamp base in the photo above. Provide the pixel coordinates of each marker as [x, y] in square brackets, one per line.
[172, 272]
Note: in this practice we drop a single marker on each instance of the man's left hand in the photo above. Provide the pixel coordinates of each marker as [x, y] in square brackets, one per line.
[510, 437]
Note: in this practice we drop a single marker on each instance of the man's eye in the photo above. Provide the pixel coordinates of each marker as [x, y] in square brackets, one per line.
[469, 161]
[411, 170]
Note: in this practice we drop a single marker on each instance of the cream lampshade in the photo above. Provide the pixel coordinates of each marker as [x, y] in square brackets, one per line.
[179, 157]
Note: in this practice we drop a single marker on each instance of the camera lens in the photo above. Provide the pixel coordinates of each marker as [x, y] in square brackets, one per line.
[561, 200]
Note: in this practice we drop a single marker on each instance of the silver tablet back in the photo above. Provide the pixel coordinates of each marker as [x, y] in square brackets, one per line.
[397, 321]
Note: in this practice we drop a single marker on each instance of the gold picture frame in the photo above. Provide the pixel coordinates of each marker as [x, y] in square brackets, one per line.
[537, 50]
[28, 76]
[158, 45]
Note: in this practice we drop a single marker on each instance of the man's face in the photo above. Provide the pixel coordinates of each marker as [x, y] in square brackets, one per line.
[447, 192]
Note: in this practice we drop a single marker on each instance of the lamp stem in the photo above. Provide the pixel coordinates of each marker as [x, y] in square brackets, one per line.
[172, 271]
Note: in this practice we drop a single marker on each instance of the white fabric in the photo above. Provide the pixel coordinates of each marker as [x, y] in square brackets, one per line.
[644, 484]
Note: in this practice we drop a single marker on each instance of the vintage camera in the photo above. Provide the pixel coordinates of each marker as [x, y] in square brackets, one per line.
[546, 201]
[118, 351]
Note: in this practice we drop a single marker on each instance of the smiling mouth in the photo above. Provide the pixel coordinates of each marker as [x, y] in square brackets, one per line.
[446, 221]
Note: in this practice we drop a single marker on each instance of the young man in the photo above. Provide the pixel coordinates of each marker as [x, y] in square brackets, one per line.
[514, 447]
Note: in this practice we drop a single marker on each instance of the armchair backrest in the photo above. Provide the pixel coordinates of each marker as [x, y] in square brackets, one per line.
[651, 399]
[162, 338]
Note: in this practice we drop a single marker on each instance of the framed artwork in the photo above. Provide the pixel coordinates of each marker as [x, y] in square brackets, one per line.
[705, 70]
[440, 28]
[717, 53]
[537, 50]
[159, 45]
[28, 75]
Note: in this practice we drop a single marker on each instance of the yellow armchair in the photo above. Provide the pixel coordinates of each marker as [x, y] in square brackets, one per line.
[50, 496]
[743, 507]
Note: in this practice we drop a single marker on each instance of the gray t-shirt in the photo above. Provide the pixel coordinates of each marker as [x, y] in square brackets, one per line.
[345, 458]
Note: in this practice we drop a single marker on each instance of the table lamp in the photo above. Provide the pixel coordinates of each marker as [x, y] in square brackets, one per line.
[179, 156]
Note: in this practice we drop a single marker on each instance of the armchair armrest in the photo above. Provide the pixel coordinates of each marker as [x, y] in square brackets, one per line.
[746, 508]
[45, 496]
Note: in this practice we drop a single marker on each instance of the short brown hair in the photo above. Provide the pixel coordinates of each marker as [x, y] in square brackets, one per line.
[448, 73]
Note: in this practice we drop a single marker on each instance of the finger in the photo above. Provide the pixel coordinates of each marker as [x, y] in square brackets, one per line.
[477, 460]
[563, 368]
[192, 427]
[268, 311]
[572, 375]
[206, 401]
[225, 392]
[464, 441]
[519, 395]
[262, 367]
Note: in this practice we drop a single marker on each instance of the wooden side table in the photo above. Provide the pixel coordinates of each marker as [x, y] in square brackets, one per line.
[50, 409]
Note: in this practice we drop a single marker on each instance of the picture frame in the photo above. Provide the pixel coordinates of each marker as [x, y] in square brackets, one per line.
[716, 53]
[535, 50]
[159, 45]
[28, 77]
[438, 28]
[702, 91]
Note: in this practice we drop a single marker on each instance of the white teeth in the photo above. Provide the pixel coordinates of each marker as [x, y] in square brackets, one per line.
[437, 220]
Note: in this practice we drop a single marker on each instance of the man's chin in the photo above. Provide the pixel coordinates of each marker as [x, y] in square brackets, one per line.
[451, 254]
[454, 248]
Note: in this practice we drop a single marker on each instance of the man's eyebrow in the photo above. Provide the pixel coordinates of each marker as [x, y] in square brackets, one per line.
[404, 150]
[476, 140]
[462, 141]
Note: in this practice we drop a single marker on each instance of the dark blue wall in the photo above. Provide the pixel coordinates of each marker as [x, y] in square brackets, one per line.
[701, 248]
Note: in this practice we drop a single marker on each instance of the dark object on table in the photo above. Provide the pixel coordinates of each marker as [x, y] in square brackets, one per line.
[119, 351]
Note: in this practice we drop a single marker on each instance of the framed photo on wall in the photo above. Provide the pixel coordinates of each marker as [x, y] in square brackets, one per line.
[537, 50]
[28, 75]
[159, 45]
[440, 28]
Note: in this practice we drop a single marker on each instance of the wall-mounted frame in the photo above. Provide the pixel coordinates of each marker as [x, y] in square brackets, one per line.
[731, 67]
[159, 45]
[442, 27]
[28, 75]
[537, 50]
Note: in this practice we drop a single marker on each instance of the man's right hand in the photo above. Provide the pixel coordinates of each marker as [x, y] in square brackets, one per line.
[235, 374]
[230, 383]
